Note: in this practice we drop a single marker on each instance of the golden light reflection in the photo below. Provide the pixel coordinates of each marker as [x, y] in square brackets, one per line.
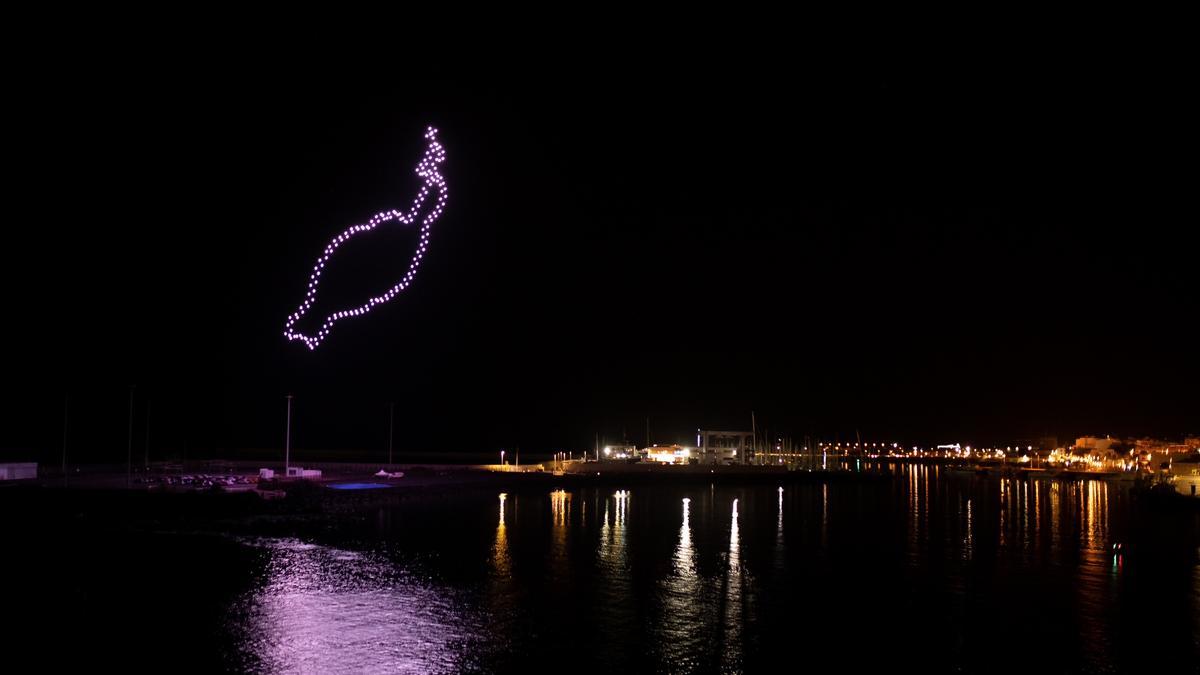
[824, 515]
[560, 513]
[1096, 585]
[925, 499]
[1003, 510]
[1026, 515]
[914, 512]
[1056, 499]
[560, 507]
[1096, 515]
[501, 563]
[1037, 510]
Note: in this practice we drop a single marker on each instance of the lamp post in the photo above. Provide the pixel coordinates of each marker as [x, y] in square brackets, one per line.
[146, 456]
[129, 452]
[501, 460]
[287, 438]
[66, 420]
[391, 428]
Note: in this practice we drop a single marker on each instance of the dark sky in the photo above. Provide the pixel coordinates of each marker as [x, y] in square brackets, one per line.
[920, 255]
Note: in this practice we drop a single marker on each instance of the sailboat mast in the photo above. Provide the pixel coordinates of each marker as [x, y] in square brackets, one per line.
[753, 437]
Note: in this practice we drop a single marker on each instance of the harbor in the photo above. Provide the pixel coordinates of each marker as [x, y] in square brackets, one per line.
[724, 573]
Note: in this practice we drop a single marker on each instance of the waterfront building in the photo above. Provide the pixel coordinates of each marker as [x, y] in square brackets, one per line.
[1093, 444]
[724, 447]
[668, 454]
[1185, 473]
[620, 453]
[1161, 448]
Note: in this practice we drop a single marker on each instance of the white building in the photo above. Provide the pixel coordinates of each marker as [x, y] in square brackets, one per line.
[1186, 476]
[620, 452]
[668, 454]
[723, 447]
[1095, 444]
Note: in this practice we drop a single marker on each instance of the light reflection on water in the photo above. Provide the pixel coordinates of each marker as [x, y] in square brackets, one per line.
[614, 581]
[560, 554]
[682, 600]
[709, 579]
[500, 561]
[732, 636]
[322, 610]
[779, 547]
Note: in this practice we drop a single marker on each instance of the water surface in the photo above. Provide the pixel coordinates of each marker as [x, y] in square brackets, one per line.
[929, 571]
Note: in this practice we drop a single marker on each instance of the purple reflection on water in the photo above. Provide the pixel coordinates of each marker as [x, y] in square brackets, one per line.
[359, 486]
[323, 610]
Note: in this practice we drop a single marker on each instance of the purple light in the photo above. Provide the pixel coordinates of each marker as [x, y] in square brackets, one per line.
[427, 169]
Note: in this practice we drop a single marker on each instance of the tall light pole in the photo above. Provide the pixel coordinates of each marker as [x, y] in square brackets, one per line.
[66, 410]
[501, 459]
[129, 452]
[146, 457]
[287, 438]
[391, 428]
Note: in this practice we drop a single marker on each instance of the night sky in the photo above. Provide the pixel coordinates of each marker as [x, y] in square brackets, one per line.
[921, 256]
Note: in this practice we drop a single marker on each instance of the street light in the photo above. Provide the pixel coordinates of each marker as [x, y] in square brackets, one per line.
[146, 456]
[129, 454]
[501, 459]
[287, 438]
[66, 410]
[391, 427]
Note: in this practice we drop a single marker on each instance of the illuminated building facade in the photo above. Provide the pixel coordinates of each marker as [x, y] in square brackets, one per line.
[1095, 444]
[724, 447]
[619, 453]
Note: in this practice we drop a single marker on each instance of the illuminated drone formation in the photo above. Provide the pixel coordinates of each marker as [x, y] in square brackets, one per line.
[427, 169]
